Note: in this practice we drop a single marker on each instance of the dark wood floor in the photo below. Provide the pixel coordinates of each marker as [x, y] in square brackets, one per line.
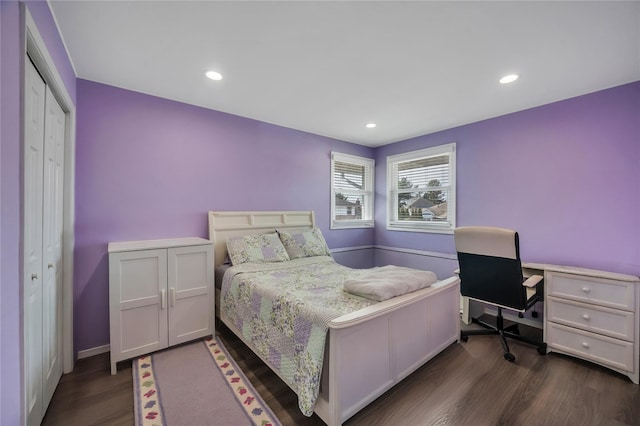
[468, 384]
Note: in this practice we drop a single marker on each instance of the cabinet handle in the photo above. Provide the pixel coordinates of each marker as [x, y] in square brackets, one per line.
[172, 293]
[586, 289]
[585, 345]
[163, 301]
[50, 266]
[586, 317]
[34, 277]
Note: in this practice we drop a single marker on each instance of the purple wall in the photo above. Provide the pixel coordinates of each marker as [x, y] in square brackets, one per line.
[565, 175]
[11, 71]
[151, 168]
[10, 300]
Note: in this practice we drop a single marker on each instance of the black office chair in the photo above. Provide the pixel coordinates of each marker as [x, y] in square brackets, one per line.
[491, 272]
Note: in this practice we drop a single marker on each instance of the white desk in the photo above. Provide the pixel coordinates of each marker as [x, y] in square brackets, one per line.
[589, 314]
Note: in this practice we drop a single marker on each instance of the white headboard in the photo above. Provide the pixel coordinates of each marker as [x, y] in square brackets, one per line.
[223, 225]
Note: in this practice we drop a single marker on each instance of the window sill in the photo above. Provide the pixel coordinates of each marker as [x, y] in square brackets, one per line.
[352, 224]
[407, 227]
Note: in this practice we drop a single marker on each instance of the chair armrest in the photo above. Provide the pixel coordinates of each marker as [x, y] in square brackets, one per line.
[533, 281]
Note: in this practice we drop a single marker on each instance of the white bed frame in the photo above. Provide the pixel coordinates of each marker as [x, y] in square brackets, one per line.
[368, 351]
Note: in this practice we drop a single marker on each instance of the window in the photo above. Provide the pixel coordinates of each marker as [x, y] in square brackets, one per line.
[422, 190]
[351, 191]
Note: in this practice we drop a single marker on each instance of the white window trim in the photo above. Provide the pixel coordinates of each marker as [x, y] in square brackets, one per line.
[368, 191]
[392, 208]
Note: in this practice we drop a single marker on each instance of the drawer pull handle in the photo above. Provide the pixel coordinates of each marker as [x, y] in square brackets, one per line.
[586, 289]
[163, 300]
[586, 317]
[585, 345]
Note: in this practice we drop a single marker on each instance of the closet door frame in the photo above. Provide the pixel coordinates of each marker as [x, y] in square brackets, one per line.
[35, 48]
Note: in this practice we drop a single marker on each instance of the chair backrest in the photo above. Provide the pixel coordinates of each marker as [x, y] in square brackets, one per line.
[490, 267]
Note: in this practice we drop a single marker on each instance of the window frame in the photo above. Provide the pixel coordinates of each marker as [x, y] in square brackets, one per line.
[393, 224]
[368, 192]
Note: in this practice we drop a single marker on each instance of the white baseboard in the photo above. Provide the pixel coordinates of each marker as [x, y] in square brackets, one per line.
[93, 351]
[355, 248]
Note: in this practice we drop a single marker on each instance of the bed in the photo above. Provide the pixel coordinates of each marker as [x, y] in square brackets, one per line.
[366, 351]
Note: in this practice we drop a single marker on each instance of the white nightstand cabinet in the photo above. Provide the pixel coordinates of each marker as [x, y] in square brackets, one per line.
[593, 315]
[160, 294]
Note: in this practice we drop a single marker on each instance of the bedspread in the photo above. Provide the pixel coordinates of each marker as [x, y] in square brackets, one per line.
[283, 309]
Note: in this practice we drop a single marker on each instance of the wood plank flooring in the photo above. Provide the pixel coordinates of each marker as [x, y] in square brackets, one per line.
[468, 384]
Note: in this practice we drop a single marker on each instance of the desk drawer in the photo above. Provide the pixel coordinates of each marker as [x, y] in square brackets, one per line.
[610, 322]
[610, 352]
[599, 291]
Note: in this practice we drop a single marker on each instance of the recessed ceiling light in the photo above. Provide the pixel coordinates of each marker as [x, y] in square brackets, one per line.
[371, 125]
[213, 75]
[509, 78]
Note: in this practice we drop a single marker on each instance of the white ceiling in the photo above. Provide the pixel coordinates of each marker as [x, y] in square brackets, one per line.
[329, 67]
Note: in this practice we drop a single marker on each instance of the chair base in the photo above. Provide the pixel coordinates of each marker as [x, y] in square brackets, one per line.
[511, 332]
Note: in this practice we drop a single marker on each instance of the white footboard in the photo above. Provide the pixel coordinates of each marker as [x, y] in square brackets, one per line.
[375, 348]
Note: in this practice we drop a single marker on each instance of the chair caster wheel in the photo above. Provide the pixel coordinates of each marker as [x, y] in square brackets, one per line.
[542, 349]
[534, 314]
[520, 315]
[509, 357]
[464, 337]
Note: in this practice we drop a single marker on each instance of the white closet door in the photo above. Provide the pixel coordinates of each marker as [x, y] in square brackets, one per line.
[52, 246]
[43, 183]
[33, 191]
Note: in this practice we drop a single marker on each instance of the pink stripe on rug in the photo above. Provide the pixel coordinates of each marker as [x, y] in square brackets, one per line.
[196, 384]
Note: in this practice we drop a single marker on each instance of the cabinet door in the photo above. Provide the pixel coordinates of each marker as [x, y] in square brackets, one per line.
[191, 295]
[138, 303]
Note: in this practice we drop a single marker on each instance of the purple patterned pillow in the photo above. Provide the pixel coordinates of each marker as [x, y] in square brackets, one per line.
[304, 243]
[256, 248]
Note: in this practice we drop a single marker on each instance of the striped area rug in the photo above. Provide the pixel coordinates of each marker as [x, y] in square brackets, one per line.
[196, 384]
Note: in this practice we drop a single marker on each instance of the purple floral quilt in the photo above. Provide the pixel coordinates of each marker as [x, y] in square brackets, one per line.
[283, 309]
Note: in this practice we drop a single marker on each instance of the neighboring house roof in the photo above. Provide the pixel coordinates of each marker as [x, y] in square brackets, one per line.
[421, 203]
[439, 211]
[341, 202]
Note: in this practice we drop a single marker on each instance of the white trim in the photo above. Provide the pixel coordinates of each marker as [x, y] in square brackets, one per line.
[423, 152]
[368, 192]
[68, 241]
[418, 252]
[352, 224]
[37, 50]
[347, 249]
[411, 227]
[93, 351]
